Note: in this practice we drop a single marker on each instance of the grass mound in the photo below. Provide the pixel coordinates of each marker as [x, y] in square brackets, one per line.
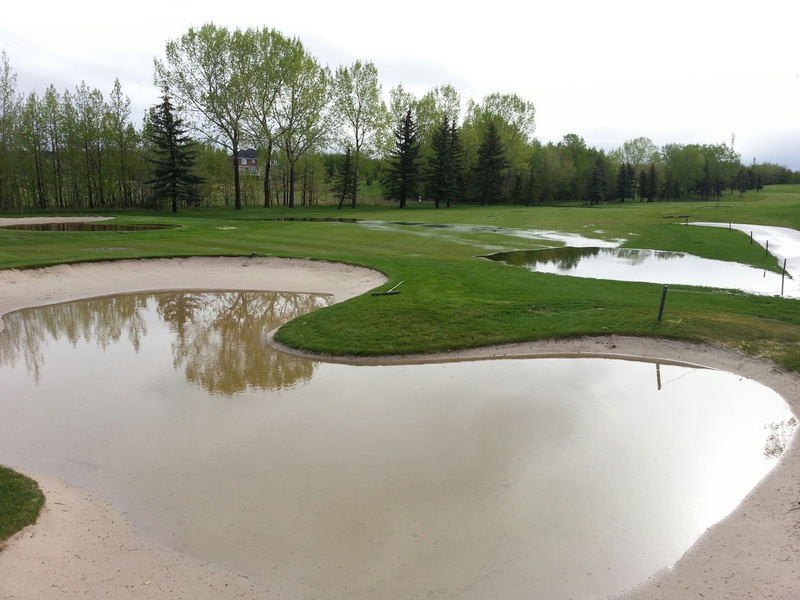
[21, 500]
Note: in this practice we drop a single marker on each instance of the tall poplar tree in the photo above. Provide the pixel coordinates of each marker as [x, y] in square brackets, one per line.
[173, 162]
[302, 112]
[206, 71]
[9, 106]
[360, 110]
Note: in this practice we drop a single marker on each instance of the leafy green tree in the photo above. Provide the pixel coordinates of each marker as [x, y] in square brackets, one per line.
[639, 151]
[52, 116]
[269, 58]
[770, 174]
[683, 168]
[9, 104]
[303, 113]
[403, 173]
[360, 111]
[31, 140]
[174, 157]
[207, 72]
[438, 103]
[491, 167]
[89, 104]
[723, 164]
[122, 141]
[581, 163]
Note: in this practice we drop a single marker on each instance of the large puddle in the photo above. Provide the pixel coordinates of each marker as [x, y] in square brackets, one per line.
[78, 226]
[653, 266]
[526, 478]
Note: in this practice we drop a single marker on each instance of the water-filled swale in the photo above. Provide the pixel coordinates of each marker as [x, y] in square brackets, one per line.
[631, 264]
[77, 226]
[524, 478]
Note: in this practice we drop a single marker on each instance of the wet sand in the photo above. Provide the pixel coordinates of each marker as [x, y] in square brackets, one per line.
[82, 547]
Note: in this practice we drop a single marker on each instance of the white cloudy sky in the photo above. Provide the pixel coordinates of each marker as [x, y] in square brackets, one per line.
[684, 71]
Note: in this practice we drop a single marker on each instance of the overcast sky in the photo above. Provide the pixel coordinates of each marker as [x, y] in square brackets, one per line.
[692, 71]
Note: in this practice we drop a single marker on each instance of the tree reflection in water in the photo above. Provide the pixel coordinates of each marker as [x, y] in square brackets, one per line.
[219, 336]
[102, 321]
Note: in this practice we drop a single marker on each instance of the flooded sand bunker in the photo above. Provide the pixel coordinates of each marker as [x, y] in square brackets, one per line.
[653, 266]
[508, 478]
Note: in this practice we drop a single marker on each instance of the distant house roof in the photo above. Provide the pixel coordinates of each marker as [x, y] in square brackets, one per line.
[246, 153]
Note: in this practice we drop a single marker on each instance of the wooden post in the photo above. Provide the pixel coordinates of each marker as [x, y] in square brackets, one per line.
[783, 275]
[663, 300]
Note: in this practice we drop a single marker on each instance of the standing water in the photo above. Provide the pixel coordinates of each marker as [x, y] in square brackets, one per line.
[526, 478]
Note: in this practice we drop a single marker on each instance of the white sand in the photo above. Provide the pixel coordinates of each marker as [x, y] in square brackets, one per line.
[82, 547]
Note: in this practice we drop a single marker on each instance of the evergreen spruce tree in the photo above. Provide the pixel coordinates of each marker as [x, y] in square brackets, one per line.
[173, 157]
[491, 166]
[652, 183]
[644, 184]
[445, 165]
[404, 170]
[598, 183]
[458, 158]
[626, 181]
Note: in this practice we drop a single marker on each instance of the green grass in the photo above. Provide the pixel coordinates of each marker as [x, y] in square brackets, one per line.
[451, 298]
[20, 502]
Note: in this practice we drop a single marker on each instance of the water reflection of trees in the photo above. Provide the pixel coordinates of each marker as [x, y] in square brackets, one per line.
[219, 337]
[102, 321]
[779, 436]
[567, 258]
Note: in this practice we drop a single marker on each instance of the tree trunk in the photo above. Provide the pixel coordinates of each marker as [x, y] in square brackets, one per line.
[267, 174]
[237, 187]
[291, 185]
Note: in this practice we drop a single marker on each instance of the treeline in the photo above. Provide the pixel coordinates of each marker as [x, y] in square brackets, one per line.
[325, 135]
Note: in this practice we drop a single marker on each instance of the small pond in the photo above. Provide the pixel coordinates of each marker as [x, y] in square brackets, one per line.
[76, 226]
[526, 478]
[653, 266]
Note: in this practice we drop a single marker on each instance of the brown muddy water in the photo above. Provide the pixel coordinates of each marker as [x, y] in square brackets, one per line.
[524, 478]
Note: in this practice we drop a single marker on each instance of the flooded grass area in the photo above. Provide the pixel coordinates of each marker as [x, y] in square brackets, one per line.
[551, 478]
[630, 264]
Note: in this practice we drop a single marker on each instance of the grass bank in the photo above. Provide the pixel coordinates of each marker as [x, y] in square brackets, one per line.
[20, 502]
